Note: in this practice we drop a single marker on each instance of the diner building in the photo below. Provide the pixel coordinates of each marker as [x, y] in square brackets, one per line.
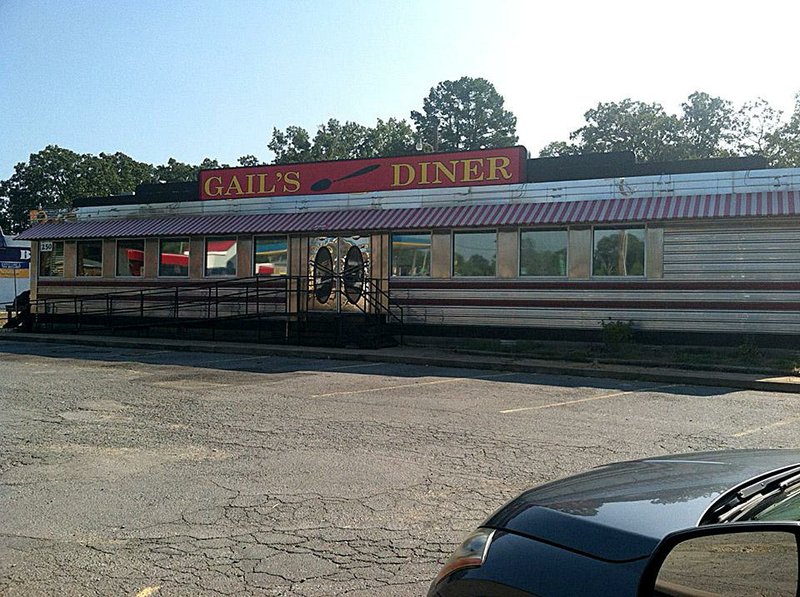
[483, 243]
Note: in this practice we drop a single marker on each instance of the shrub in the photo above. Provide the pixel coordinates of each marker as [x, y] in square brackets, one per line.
[617, 333]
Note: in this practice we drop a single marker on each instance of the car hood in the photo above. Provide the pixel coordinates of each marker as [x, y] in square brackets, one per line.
[620, 511]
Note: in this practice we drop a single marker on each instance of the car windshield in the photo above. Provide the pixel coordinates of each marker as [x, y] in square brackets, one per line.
[787, 508]
[773, 498]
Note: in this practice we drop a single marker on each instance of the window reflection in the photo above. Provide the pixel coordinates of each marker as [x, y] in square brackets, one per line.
[474, 253]
[173, 258]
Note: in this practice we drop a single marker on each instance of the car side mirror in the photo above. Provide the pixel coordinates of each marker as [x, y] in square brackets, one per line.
[726, 561]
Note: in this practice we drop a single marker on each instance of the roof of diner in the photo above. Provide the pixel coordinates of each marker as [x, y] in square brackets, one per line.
[615, 210]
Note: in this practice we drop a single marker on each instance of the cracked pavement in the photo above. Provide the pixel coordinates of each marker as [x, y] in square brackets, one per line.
[136, 472]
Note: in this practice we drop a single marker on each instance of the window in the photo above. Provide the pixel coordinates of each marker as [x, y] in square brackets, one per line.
[618, 252]
[90, 258]
[474, 253]
[221, 256]
[51, 259]
[173, 257]
[271, 256]
[411, 254]
[543, 253]
[130, 258]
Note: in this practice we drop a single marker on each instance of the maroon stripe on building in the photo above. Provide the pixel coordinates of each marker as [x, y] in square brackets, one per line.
[626, 285]
[628, 305]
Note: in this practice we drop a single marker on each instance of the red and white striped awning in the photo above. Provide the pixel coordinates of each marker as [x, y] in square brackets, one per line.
[622, 210]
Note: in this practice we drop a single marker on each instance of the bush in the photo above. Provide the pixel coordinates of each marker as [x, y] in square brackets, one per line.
[617, 333]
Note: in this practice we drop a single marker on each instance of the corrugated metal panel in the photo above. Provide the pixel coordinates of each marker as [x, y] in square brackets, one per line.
[762, 253]
[610, 211]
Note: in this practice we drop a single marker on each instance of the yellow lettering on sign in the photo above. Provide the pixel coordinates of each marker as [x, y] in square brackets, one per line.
[217, 188]
[396, 175]
[262, 185]
[291, 182]
[233, 185]
[442, 169]
[472, 170]
[423, 172]
[250, 178]
[499, 164]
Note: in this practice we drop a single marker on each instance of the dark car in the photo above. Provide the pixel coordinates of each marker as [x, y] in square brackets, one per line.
[715, 523]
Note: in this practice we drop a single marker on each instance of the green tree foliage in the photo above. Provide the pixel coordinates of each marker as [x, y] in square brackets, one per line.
[457, 115]
[708, 127]
[53, 177]
[175, 171]
[291, 145]
[643, 128]
[755, 128]
[785, 142]
[342, 141]
[50, 179]
[250, 161]
[465, 114]
[110, 174]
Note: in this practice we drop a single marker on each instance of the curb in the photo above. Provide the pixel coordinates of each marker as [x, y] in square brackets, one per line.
[434, 357]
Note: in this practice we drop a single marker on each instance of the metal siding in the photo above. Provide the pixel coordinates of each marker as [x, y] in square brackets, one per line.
[758, 253]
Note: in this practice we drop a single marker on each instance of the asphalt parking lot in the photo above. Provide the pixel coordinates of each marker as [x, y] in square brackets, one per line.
[154, 472]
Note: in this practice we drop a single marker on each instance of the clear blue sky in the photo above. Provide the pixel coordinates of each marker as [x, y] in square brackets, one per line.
[190, 79]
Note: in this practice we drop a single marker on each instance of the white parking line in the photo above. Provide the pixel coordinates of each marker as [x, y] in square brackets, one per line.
[590, 399]
[765, 427]
[355, 366]
[413, 385]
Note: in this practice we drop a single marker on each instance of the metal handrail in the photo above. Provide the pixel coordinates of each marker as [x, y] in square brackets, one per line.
[187, 305]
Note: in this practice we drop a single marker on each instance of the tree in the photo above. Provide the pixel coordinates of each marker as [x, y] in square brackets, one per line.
[337, 141]
[52, 178]
[785, 142]
[559, 148]
[706, 126]
[709, 127]
[465, 114]
[645, 129]
[291, 145]
[757, 127]
[390, 138]
[342, 141]
[111, 174]
[250, 161]
[49, 180]
[175, 171]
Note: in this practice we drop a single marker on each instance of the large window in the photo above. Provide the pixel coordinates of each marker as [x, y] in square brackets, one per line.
[271, 256]
[130, 258]
[221, 256]
[51, 259]
[618, 252]
[474, 253]
[411, 254]
[173, 257]
[90, 258]
[543, 253]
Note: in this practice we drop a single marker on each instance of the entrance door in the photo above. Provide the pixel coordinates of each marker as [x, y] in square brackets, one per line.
[338, 273]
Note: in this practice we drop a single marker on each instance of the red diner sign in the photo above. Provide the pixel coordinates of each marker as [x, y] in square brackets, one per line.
[422, 171]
